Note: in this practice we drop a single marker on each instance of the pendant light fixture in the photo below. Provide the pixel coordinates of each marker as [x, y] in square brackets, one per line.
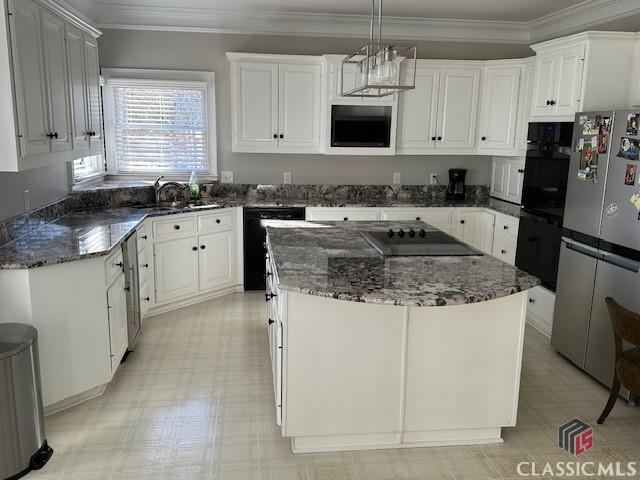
[376, 65]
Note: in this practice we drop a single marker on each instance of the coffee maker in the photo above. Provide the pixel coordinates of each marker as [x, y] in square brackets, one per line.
[456, 188]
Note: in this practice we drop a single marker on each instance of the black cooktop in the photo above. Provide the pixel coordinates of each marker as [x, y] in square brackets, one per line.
[418, 243]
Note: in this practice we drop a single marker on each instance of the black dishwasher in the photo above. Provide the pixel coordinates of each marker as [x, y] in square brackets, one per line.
[254, 238]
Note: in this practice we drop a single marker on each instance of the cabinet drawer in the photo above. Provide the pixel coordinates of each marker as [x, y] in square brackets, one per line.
[542, 303]
[504, 248]
[506, 226]
[143, 236]
[215, 222]
[113, 266]
[339, 214]
[172, 227]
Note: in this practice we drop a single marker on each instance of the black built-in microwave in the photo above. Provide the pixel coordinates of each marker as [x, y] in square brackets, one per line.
[361, 126]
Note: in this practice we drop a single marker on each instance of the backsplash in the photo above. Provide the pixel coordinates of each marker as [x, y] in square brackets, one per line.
[118, 194]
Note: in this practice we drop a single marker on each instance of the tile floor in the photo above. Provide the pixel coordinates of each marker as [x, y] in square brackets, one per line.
[194, 401]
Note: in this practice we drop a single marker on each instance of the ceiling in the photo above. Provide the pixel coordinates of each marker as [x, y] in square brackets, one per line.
[517, 21]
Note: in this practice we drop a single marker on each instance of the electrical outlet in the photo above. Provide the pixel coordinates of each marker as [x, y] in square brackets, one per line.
[287, 177]
[397, 178]
[433, 179]
[26, 195]
[226, 176]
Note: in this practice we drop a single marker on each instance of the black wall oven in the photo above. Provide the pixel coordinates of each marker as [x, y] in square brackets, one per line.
[361, 126]
[543, 196]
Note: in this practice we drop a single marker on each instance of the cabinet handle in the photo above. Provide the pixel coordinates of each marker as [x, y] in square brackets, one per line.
[483, 138]
[552, 102]
[506, 227]
[147, 299]
[203, 247]
[548, 102]
[531, 300]
[281, 136]
[217, 220]
[418, 219]
[504, 252]
[195, 249]
[268, 274]
[462, 221]
[177, 227]
[439, 138]
[145, 265]
[50, 135]
[119, 264]
[345, 218]
[127, 289]
[275, 135]
[433, 139]
[269, 296]
[144, 237]
[521, 170]
[271, 321]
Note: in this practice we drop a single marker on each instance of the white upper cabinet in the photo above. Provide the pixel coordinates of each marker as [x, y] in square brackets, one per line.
[29, 76]
[77, 88]
[524, 104]
[507, 175]
[52, 83]
[299, 106]
[457, 108]
[275, 104]
[417, 112]
[255, 106]
[498, 177]
[499, 108]
[57, 81]
[94, 101]
[582, 72]
[440, 115]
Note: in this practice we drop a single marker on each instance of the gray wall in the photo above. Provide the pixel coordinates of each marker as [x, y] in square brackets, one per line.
[204, 51]
[46, 185]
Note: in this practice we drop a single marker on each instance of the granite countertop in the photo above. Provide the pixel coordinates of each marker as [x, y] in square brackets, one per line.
[331, 259]
[96, 232]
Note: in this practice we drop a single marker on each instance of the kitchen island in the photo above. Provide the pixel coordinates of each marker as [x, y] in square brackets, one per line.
[385, 352]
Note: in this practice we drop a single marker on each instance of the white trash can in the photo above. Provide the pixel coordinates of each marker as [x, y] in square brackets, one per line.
[23, 444]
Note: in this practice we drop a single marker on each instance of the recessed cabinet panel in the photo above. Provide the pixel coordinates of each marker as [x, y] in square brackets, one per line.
[29, 77]
[544, 84]
[567, 94]
[176, 269]
[299, 101]
[93, 90]
[514, 177]
[498, 177]
[77, 87]
[57, 81]
[499, 108]
[457, 108]
[117, 306]
[256, 105]
[217, 263]
[417, 111]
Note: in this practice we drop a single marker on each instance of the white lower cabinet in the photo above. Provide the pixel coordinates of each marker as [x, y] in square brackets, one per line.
[216, 260]
[118, 333]
[540, 309]
[475, 228]
[193, 254]
[176, 269]
[505, 238]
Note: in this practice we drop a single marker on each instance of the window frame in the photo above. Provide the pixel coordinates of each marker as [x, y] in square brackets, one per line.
[120, 76]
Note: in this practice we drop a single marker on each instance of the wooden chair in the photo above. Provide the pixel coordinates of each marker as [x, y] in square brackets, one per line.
[626, 326]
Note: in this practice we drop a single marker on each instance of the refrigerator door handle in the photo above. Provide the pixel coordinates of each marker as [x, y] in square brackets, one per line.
[583, 249]
[621, 262]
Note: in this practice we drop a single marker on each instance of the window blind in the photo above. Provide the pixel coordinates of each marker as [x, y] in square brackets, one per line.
[160, 127]
[87, 167]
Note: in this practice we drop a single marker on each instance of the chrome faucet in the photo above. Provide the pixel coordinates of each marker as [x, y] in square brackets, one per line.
[158, 189]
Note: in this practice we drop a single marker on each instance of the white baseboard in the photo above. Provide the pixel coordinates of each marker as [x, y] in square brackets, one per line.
[75, 400]
[540, 324]
[192, 300]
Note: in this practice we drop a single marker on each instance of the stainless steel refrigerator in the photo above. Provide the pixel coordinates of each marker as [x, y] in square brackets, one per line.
[600, 251]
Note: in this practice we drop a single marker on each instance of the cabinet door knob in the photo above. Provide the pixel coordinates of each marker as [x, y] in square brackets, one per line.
[50, 135]
[203, 247]
[503, 252]
[439, 138]
[281, 136]
[506, 227]
[484, 138]
[433, 139]
[462, 221]
[271, 321]
[127, 289]
[531, 300]
[548, 102]
[144, 237]
[147, 299]
[194, 249]
[552, 102]
[521, 170]
[145, 265]
[217, 220]
[418, 219]
[275, 135]
[177, 227]
[120, 264]
[345, 218]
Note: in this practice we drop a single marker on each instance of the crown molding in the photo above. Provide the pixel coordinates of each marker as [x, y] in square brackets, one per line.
[580, 17]
[205, 20]
[72, 15]
[305, 24]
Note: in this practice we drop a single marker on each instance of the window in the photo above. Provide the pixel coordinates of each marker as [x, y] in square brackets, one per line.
[160, 126]
[85, 168]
